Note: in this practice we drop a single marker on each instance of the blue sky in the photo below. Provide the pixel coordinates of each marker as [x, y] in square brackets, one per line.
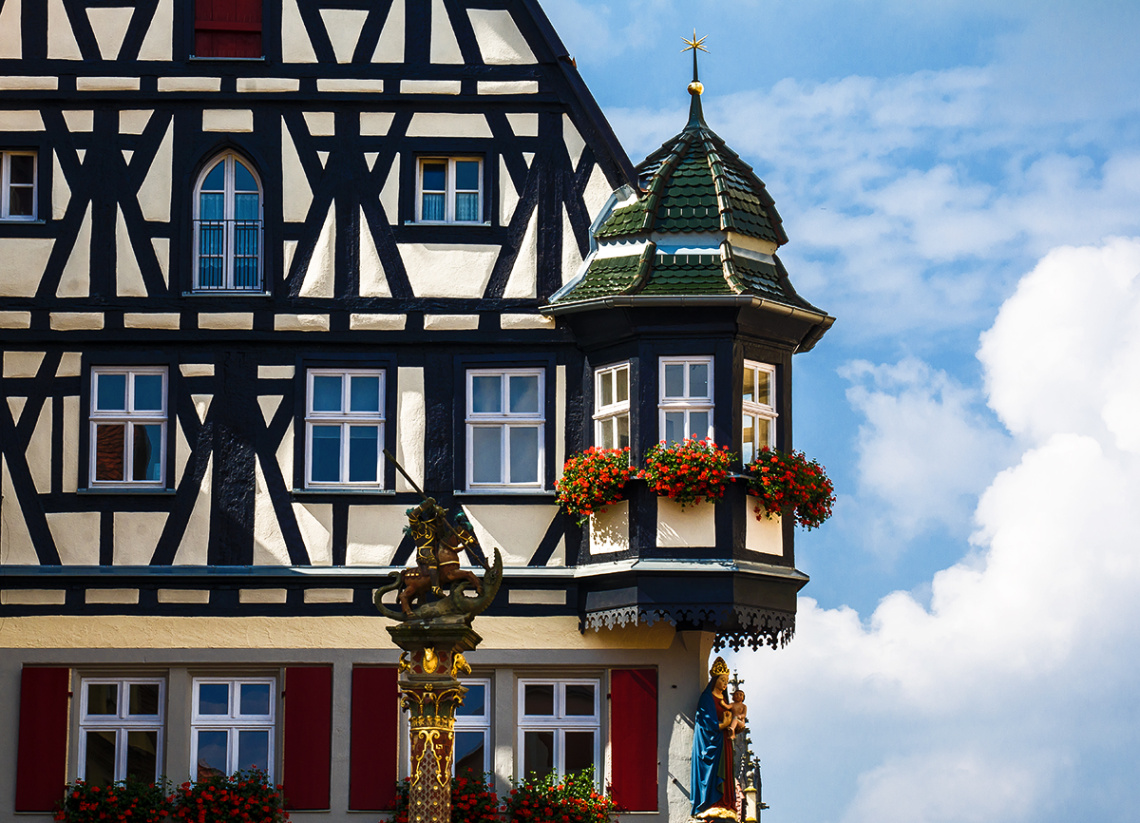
[960, 181]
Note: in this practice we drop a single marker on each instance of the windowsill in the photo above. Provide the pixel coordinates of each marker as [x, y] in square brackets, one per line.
[226, 293]
[472, 223]
[197, 59]
[22, 221]
[495, 492]
[344, 491]
[148, 490]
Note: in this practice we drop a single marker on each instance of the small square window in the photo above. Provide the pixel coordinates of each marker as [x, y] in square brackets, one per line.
[559, 726]
[344, 422]
[120, 729]
[686, 399]
[18, 190]
[232, 725]
[128, 426]
[449, 190]
[611, 407]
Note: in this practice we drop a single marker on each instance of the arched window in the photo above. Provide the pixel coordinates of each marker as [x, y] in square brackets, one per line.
[227, 227]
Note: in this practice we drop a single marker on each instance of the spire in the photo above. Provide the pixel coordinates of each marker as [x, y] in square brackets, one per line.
[696, 88]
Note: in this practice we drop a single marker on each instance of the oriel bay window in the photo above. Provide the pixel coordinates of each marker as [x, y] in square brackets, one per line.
[344, 423]
[232, 725]
[450, 190]
[120, 729]
[611, 407]
[758, 403]
[128, 426]
[505, 428]
[559, 726]
[686, 398]
[227, 227]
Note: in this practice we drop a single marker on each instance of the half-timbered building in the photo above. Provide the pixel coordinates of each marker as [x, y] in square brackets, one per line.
[245, 248]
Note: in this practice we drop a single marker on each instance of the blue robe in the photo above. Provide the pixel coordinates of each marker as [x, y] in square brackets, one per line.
[709, 754]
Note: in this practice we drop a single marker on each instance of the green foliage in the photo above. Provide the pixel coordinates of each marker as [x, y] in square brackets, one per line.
[688, 472]
[592, 480]
[245, 796]
[573, 798]
[790, 482]
[126, 801]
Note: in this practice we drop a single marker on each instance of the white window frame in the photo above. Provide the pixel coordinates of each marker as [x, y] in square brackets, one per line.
[229, 210]
[233, 722]
[476, 723]
[346, 419]
[607, 417]
[450, 190]
[757, 410]
[6, 185]
[506, 420]
[687, 403]
[559, 722]
[129, 418]
[122, 723]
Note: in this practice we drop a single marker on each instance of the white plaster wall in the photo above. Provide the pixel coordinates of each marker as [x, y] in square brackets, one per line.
[438, 270]
[128, 275]
[227, 120]
[390, 194]
[515, 530]
[445, 124]
[765, 535]
[15, 542]
[691, 526]
[21, 120]
[24, 261]
[70, 444]
[444, 46]
[374, 533]
[320, 123]
[375, 123]
[571, 255]
[154, 194]
[269, 548]
[10, 34]
[500, 41]
[38, 450]
[76, 537]
[110, 28]
[136, 537]
[597, 192]
[22, 363]
[411, 421]
[609, 530]
[60, 191]
[76, 278]
[158, 42]
[373, 282]
[343, 27]
[194, 548]
[390, 48]
[299, 197]
[319, 276]
[295, 44]
[315, 522]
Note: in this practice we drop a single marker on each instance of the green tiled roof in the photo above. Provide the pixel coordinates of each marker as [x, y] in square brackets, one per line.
[687, 274]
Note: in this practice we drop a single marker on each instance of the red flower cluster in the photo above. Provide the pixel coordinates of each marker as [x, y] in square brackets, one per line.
[473, 800]
[128, 801]
[570, 799]
[688, 472]
[790, 482]
[592, 480]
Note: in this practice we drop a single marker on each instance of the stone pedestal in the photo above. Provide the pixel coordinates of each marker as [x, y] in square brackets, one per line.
[430, 691]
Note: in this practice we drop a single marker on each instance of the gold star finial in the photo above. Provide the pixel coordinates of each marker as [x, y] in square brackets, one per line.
[694, 44]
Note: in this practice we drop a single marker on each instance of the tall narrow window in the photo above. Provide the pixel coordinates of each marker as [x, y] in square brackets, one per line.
[345, 425]
[128, 426]
[505, 425]
[232, 725]
[18, 185]
[758, 403]
[120, 729]
[227, 28]
[227, 227]
[686, 405]
[473, 729]
[611, 407]
[450, 190]
[559, 726]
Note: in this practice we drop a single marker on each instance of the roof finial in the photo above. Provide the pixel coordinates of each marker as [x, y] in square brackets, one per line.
[696, 115]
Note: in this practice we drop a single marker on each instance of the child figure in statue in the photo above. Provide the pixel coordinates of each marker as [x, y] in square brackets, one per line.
[713, 786]
[739, 713]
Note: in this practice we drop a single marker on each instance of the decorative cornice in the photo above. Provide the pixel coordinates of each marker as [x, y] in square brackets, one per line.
[736, 626]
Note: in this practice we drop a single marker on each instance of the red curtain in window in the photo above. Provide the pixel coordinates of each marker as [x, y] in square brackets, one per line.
[227, 28]
[41, 754]
[633, 738]
[374, 743]
[308, 736]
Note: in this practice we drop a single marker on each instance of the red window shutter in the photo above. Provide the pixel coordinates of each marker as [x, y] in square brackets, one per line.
[374, 744]
[308, 736]
[227, 28]
[633, 738]
[41, 754]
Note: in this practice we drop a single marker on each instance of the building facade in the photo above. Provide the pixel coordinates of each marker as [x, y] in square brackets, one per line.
[248, 247]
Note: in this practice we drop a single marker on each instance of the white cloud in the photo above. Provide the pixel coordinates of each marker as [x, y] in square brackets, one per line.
[1011, 697]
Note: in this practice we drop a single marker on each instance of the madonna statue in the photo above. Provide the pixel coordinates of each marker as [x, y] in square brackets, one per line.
[714, 786]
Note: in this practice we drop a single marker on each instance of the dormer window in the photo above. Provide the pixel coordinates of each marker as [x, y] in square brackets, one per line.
[449, 190]
[227, 227]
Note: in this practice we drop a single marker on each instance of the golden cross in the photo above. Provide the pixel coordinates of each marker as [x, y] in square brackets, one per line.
[694, 44]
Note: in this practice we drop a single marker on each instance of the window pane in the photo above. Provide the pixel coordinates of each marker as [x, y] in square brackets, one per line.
[763, 432]
[467, 207]
[487, 454]
[469, 757]
[212, 754]
[467, 175]
[486, 394]
[538, 753]
[364, 393]
[621, 377]
[764, 388]
[524, 454]
[524, 394]
[674, 380]
[215, 180]
[433, 207]
[474, 702]
[254, 699]
[147, 453]
[142, 754]
[247, 207]
[698, 380]
[580, 699]
[538, 699]
[363, 451]
[148, 392]
[103, 699]
[748, 440]
[211, 206]
[327, 392]
[606, 389]
[22, 169]
[579, 751]
[111, 392]
[698, 425]
[253, 749]
[243, 180]
[435, 177]
[214, 698]
[606, 432]
[326, 454]
[143, 699]
[674, 427]
[110, 443]
[100, 766]
[749, 392]
[20, 201]
[622, 431]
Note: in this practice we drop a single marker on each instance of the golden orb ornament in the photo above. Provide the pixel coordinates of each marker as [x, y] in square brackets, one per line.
[696, 87]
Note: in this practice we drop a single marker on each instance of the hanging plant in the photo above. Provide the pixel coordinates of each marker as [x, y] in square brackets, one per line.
[688, 472]
[793, 483]
[592, 480]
